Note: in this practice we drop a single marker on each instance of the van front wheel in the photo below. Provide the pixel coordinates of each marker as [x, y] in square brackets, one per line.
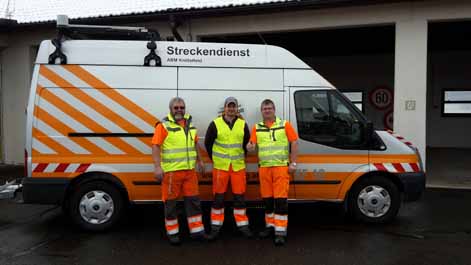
[96, 206]
[375, 199]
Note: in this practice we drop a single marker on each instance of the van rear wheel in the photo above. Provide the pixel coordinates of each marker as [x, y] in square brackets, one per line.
[375, 199]
[96, 206]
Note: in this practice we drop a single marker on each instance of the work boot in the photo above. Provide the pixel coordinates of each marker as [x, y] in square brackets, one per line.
[174, 240]
[267, 232]
[245, 230]
[213, 235]
[201, 237]
[279, 240]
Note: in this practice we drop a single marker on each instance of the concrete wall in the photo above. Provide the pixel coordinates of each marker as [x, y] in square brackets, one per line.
[447, 70]
[17, 61]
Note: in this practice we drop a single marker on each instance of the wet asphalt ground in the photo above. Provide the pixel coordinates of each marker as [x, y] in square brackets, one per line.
[434, 230]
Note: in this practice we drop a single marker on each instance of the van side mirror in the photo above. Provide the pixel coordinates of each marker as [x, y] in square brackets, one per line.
[369, 132]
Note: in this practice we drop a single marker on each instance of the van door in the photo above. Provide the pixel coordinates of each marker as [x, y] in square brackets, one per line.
[205, 90]
[332, 141]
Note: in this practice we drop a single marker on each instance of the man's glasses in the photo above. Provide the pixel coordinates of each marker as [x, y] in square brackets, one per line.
[179, 108]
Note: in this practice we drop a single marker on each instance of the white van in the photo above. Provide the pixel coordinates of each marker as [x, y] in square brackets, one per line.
[90, 120]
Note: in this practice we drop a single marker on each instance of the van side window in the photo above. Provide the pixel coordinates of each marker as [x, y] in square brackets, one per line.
[325, 117]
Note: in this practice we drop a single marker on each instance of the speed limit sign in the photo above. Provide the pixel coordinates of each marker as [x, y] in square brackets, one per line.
[381, 98]
[389, 120]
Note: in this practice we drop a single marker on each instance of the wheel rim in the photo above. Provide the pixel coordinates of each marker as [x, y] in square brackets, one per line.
[374, 201]
[96, 207]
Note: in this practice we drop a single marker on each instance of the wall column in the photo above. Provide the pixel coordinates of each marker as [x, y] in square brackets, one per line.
[410, 81]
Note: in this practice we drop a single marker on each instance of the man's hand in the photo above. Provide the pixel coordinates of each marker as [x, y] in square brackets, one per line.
[158, 174]
[292, 167]
[250, 147]
[201, 168]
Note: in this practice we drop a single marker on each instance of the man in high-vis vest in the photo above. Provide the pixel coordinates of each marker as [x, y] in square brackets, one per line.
[175, 154]
[225, 142]
[274, 137]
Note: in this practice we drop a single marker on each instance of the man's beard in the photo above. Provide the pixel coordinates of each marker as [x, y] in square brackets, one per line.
[178, 116]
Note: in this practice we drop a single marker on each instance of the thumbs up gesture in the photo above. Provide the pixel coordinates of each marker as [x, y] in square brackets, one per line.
[250, 147]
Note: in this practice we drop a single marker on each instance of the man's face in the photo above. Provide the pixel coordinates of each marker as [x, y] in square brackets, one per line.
[178, 110]
[268, 111]
[230, 109]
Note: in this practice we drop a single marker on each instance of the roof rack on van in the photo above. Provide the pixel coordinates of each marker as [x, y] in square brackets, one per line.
[103, 32]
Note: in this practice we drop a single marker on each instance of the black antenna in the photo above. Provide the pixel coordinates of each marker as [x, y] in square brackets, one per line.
[174, 24]
[261, 37]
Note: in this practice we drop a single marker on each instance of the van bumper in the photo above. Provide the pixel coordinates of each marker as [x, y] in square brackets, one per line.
[413, 184]
[44, 190]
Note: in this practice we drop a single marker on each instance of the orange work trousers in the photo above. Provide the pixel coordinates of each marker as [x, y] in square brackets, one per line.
[274, 182]
[221, 179]
[177, 183]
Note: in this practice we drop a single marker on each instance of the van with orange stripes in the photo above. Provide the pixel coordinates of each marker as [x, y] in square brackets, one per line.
[93, 106]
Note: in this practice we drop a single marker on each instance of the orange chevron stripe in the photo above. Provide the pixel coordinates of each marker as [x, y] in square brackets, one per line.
[42, 137]
[147, 141]
[35, 152]
[94, 82]
[88, 100]
[65, 130]
[86, 121]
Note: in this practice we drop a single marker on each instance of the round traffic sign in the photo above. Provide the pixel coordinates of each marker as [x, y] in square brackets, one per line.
[381, 98]
[389, 120]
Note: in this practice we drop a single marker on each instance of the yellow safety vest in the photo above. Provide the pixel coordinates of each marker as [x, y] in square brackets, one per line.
[227, 147]
[273, 144]
[178, 150]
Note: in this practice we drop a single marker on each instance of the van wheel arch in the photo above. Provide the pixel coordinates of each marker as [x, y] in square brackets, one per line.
[395, 179]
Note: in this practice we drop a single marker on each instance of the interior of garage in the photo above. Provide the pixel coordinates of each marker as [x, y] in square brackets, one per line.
[449, 104]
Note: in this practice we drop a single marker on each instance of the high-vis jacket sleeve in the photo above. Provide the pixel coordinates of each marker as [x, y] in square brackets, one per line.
[159, 134]
[290, 132]
[246, 137]
[253, 136]
[210, 137]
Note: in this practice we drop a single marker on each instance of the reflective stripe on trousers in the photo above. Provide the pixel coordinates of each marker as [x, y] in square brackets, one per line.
[195, 223]
[240, 217]
[269, 220]
[171, 225]
[217, 216]
[281, 224]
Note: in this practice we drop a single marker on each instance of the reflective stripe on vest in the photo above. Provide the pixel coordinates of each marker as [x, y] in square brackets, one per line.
[178, 149]
[273, 145]
[227, 148]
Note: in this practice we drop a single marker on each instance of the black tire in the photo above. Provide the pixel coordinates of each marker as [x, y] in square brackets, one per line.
[357, 207]
[97, 192]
